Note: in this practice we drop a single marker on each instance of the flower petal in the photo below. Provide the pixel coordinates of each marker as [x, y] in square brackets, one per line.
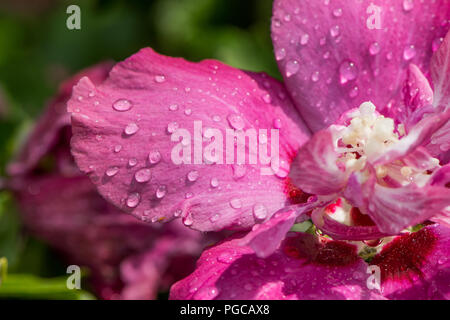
[158, 98]
[314, 170]
[334, 55]
[440, 73]
[265, 238]
[416, 266]
[301, 269]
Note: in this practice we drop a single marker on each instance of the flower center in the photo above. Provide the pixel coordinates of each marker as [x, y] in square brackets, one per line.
[369, 135]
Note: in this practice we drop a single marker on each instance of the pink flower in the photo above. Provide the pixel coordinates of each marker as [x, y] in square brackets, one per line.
[376, 162]
[127, 259]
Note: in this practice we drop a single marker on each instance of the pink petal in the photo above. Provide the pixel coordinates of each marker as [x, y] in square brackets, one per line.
[301, 269]
[332, 61]
[339, 231]
[416, 266]
[393, 209]
[265, 238]
[160, 95]
[440, 72]
[314, 170]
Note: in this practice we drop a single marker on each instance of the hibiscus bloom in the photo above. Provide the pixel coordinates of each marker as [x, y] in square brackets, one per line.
[372, 171]
[127, 259]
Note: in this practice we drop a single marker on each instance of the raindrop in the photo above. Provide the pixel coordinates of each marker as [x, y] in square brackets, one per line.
[267, 98]
[214, 182]
[315, 76]
[133, 200]
[236, 121]
[131, 129]
[173, 107]
[160, 78]
[143, 175]
[236, 203]
[277, 123]
[374, 48]
[436, 44]
[292, 68]
[161, 191]
[348, 71]
[192, 175]
[334, 31]
[188, 112]
[154, 157]
[353, 92]
[117, 148]
[408, 5]
[304, 39]
[132, 162]
[260, 211]
[112, 171]
[280, 54]
[172, 127]
[337, 12]
[409, 52]
[122, 105]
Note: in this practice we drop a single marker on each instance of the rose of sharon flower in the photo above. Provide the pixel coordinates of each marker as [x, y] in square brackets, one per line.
[127, 259]
[376, 163]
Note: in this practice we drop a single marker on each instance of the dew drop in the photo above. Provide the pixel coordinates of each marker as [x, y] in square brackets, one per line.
[348, 71]
[408, 5]
[267, 98]
[143, 175]
[112, 171]
[277, 123]
[436, 44]
[239, 171]
[117, 148]
[133, 200]
[122, 105]
[160, 78]
[335, 31]
[353, 93]
[173, 107]
[192, 175]
[236, 203]
[337, 12]
[161, 191]
[409, 52]
[315, 76]
[132, 162]
[214, 182]
[260, 211]
[131, 129]
[154, 157]
[172, 127]
[304, 39]
[236, 121]
[292, 68]
[374, 48]
[280, 54]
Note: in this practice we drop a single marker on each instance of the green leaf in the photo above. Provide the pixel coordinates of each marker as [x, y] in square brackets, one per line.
[25, 286]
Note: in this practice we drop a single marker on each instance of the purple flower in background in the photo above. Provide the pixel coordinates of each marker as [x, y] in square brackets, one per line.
[370, 143]
[127, 259]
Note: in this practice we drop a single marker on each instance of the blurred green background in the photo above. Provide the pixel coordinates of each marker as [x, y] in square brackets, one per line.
[37, 52]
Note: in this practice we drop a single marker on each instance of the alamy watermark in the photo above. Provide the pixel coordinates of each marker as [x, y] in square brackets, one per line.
[73, 21]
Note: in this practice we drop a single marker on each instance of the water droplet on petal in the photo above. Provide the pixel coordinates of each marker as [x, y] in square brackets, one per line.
[267, 98]
[408, 5]
[214, 182]
[409, 52]
[280, 54]
[436, 44]
[315, 76]
[353, 93]
[236, 203]
[112, 171]
[132, 162]
[161, 191]
[122, 105]
[337, 12]
[143, 175]
[117, 148]
[214, 218]
[260, 211]
[172, 127]
[133, 200]
[292, 68]
[277, 123]
[192, 175]
[131, 129]
[374, 48]
[236, 121]
[335, 31]
[304, 39]
[154, 157]
[160, 78]
[173, 107]
[239, 171]
[348, 71]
